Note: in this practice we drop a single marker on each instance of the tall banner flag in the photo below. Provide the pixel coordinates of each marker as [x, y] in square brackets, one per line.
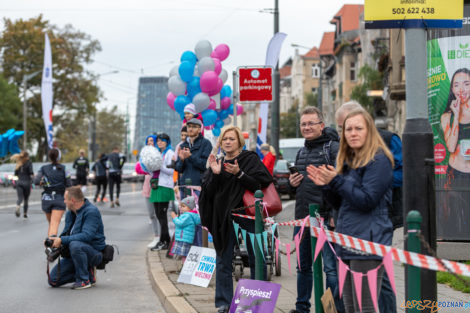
[449, 115]
[46, 91]
[272, 57]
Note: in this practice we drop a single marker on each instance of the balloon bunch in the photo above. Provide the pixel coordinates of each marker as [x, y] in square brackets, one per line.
[9, 142]
[199, 79]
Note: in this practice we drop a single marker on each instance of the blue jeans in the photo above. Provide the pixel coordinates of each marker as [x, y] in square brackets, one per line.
[77, 268]
[331, 272]
[305, 273]
[387, 298]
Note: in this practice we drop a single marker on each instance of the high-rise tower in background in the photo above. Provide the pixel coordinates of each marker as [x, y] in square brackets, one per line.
[153, 114]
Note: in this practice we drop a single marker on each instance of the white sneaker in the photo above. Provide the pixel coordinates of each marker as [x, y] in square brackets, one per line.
[154, 242]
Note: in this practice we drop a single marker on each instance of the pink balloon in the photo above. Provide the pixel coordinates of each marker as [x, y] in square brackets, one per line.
[209, 127]
[218, 87]
[239, 109]
[212, 105]
[214, 55]
[218, 66]
[224, 103]
[209, 82]
[170, 99]
[222, 51]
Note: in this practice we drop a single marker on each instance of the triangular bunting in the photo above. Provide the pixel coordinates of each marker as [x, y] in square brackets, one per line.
[388, 264]
[358, 287]
[277, 250]
[235, 228]
[244, 237]
[372, 279]
[320, 242]
[260, 244]
[265, 240]
[288, 256]
[302, 228]
[252, 238]
[342, 272]
[273, 230]
[297, 247]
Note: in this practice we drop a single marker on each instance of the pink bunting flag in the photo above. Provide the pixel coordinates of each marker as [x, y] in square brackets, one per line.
[277, 251]
[342, 272]
[297, 247]
[372, 279]
[320, 242]
[302, 228]
[358, 286]
[288, 256]
[388, 264]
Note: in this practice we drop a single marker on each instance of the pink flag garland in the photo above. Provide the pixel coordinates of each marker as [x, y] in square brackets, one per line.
[288, 256]
[297, 247]
[277, 250]
[358, 286]
[320, 242]
[388, 264]
[342, 272]
[372, 279]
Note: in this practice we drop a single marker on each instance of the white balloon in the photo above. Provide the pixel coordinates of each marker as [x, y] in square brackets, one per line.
[174, 71]
[201, 101]
[176, 85]
[227, 121]
[150, 159]
[203, 49]
[223, 75]
[205, 64]
[196, 72]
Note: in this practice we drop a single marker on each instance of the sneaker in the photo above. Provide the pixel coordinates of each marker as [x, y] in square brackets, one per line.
[112, 204]
[160, 246]
[17, 211]
[81, 285]
[25, 215]
[92, 272]
[117, 202]
[223, 309]
[154, 242]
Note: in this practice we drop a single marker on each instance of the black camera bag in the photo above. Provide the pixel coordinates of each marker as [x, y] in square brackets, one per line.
[108, 256]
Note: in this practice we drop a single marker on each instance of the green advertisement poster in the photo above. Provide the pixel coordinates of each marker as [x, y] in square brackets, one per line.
[448, 53]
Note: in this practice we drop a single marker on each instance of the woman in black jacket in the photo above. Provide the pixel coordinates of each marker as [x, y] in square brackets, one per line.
[25, 174]
[223, 188]
[361, 185]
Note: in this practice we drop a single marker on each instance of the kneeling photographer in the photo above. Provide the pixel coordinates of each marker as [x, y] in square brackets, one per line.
[80, 244]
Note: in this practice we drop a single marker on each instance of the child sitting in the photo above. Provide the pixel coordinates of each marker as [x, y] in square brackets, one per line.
[185, 227]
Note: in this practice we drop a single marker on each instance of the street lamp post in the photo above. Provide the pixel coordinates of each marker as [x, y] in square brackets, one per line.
[25, 112]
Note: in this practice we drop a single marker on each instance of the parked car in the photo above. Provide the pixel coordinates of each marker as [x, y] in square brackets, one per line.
[129, 174]
[289, 148]
[281, 178]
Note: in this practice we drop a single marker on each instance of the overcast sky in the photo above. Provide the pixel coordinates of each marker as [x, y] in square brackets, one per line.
[147, 37]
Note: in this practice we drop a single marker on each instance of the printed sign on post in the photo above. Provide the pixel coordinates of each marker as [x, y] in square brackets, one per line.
[255, 296]
[198, 267]
[255, 84]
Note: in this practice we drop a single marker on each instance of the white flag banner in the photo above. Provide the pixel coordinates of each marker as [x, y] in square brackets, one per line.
[46, 91]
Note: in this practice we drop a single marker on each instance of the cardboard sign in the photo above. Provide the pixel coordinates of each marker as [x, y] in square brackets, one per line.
[328, 302]
[255, 296]
[198, 267]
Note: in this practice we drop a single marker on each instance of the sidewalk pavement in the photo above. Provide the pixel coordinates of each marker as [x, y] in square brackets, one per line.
[184, 298]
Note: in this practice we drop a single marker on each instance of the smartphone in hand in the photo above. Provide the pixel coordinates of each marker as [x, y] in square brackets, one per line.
[293, 170]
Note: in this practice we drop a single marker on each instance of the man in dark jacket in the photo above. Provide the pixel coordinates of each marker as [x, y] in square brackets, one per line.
[116, 161]
[193, 154]
[321, 147]
[82, 166]
[83, 235]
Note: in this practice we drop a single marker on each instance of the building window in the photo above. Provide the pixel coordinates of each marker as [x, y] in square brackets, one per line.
[352, 71]
[315, 71]
[314, 90]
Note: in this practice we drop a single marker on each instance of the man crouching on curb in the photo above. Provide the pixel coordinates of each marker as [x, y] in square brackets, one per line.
[83, 235]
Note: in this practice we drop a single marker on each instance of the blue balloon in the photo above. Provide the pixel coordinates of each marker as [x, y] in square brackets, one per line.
[219, 124]
[186, 71]
[194, 87]
[189, 56]
[13, 141]
[180, 103]
[226, 91]
[224, 114]
[209, 117]
[216, 132]
[230, 109]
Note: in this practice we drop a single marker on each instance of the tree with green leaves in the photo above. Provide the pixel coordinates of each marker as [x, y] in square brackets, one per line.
[75, 89]
[290, 122]
[110, 130]
[372, 79]
[10, 106]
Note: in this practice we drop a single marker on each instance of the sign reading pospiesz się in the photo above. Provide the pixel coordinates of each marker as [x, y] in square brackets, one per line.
[413, 13]
[255, 84]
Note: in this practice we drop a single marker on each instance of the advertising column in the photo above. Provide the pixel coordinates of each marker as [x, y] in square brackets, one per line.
[449, 115]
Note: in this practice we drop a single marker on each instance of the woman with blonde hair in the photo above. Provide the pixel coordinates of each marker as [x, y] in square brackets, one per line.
[361, 186]
[25, 174]
[223, 187]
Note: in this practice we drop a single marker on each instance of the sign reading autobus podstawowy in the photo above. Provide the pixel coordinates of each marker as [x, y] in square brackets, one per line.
[413, 13]
[255, 84]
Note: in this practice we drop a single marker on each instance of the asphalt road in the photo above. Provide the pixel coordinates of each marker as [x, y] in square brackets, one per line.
[124, 287]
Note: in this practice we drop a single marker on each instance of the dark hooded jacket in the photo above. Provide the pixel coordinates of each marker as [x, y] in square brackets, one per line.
[223, 192]
[322, 150]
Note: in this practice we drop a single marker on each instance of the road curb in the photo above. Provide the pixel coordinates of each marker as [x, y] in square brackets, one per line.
[170, 297]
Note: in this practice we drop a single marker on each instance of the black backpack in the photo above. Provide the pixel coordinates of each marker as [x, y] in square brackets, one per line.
[108, 256]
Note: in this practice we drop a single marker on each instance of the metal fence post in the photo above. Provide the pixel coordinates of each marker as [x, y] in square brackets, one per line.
[313, 208]
[259, 227]
[413, 281]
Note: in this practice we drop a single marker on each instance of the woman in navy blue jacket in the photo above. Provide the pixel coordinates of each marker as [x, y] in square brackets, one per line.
[361, 186]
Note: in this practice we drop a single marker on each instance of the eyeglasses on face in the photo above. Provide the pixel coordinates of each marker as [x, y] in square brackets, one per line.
[309, 124]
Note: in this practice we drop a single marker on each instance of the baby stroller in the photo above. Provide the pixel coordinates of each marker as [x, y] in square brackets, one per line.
[240, 256]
